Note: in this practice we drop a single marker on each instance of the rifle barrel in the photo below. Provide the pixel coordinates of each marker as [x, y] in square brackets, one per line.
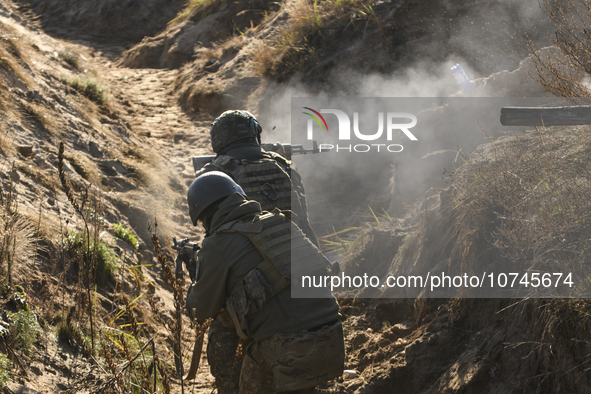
[545, 116]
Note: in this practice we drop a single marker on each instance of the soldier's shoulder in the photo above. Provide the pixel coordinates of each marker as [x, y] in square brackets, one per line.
[220, 240]
[279, 159]
[223, 161]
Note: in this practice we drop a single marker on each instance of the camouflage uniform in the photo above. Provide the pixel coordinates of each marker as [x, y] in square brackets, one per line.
[257, 371]
[224, 362]
[263, 176]
[239, 160]
[225, 259]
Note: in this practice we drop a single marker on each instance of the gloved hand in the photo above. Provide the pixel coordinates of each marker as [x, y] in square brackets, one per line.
[192, 268]
[190, 303]
[180, 258]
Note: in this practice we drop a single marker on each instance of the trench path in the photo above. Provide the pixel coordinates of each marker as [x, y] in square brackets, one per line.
[146, 103]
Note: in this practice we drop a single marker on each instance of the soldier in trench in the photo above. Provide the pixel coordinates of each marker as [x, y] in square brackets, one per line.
[244, 274]
[272, 181]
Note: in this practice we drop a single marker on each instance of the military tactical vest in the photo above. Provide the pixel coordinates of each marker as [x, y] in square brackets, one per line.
[285, 249]
[266, 181]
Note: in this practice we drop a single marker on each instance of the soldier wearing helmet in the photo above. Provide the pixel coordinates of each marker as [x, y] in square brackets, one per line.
[245, 265]
[266, 177]
[272, 181]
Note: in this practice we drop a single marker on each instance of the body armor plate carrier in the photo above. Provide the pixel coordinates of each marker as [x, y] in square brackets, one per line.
[267, 181]
[285, 250]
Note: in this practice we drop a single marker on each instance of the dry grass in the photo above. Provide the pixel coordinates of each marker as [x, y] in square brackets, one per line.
[534, 195]
[44, 177]
[6, 143]
[16, 233]
[72, 58]
[85, 167]
[12, 56]
[310, 25]
[34, 112]
[565, 72]
[195, 9]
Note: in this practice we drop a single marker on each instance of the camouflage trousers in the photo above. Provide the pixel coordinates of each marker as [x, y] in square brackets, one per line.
[256, 376]
[318, 356]
[293, 363]
[224, 362]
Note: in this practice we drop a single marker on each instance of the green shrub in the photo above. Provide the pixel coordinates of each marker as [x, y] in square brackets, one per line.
[25, 329]
[106, 262]
[106, 259]
[124, 234]
[191, 6]
[5, 365]
[64, 332]
[90, 88]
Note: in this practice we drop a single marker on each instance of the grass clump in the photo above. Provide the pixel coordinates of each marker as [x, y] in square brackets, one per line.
[90, 88]
[5, 366]
[11, 55]
[311, 24]
[191, 6]
[106, 259]
[125, 234]
[532, 197]
[70, 58]
[16, 232]
[24, 329]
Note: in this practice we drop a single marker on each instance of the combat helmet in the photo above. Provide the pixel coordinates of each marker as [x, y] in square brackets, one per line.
[208, 189]
[232, 126]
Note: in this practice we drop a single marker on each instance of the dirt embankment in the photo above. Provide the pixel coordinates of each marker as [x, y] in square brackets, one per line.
[126, 161]
[125, 21]
[131, 149]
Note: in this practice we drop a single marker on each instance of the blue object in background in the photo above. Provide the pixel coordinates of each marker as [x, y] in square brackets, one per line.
[461, 77]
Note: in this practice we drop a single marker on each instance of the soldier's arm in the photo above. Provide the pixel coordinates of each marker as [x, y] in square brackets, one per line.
[206, 297]
[298, 187]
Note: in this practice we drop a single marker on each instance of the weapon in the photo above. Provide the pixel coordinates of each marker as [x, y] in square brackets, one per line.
[285, 150]
[196, 358]
[186, 251]
[545, 116]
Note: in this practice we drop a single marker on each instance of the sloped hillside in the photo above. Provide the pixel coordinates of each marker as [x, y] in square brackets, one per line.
[494, 345]
[80, 257]
[125, 21]
[130, 89]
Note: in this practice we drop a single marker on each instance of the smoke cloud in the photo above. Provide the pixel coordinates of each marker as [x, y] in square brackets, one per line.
[483, 38]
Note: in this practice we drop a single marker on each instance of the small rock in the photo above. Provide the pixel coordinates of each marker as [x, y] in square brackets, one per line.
[36, 370]
[26, 151]
[40, 161]
[51, 201]
[16, 177]
[94, 150]
[34, 95]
